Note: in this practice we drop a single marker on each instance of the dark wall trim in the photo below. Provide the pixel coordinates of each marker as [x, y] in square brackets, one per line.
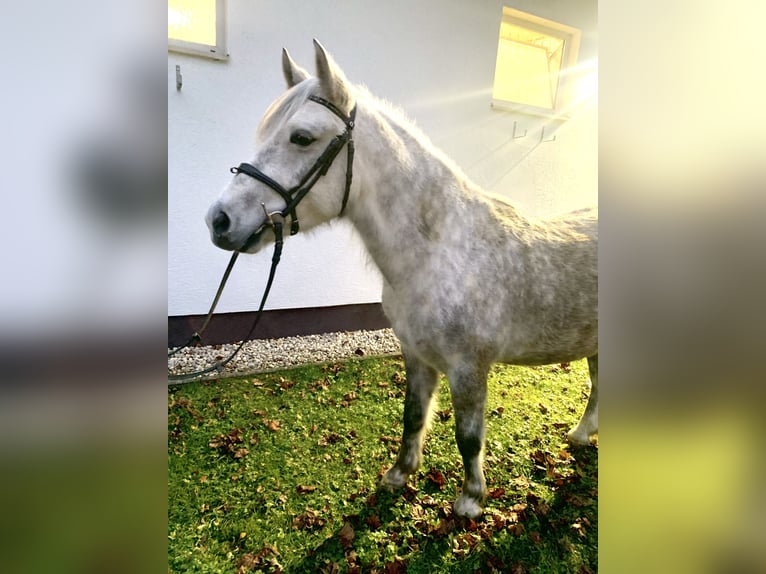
[232, 327]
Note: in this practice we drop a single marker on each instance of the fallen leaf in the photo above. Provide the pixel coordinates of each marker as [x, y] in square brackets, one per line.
[373, 521]
[351, 557]
[284, 384]
[228, 441]
[264, 559]
[308, 520]
[444, 415]
[385, 439]
[248, 562]
[444, 527]
[272, 425]
[241, 452]
[436, 477]
[397, 566]
[304, 488]
[398, 378]
[462, 544]
[329, 438]
[565, 456]
[495, 493]
[346, 535]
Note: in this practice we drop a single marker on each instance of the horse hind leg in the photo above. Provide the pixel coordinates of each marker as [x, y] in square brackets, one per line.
[588, 424]
[421, 385]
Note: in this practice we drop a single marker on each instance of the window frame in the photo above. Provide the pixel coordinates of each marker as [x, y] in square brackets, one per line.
[216, 52]
[571, 37]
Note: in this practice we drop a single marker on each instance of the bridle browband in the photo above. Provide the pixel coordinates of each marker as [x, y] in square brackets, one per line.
[292, 197]
[295, 195]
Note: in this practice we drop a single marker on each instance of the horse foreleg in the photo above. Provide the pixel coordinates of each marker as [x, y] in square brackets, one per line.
[469, 396]
[421, 384]
[588, 424]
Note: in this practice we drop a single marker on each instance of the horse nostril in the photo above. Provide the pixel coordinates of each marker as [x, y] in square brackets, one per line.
[221, 222]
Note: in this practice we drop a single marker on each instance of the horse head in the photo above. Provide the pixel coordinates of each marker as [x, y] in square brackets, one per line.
[293, 174]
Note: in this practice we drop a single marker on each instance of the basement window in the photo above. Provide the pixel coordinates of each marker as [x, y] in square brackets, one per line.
[534, 58]
[198, 27]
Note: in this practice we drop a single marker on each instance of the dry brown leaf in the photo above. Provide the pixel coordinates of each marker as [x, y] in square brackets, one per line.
[346, 535]
[436, 477]
[397, 566]
[272, 425]
[373, 522]
[495, 493]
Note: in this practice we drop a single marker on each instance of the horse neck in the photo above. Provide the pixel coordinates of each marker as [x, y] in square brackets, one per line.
[405, 188]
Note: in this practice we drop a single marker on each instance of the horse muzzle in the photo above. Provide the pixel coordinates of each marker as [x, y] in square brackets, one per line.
[225, 236]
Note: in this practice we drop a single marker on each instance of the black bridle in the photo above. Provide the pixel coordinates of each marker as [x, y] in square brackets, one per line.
[295, 195]
[292, 198]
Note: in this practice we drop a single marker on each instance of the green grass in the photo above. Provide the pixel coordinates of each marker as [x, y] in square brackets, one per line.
[278, 473]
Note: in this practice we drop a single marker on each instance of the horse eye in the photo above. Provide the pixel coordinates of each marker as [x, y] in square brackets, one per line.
[301, 138]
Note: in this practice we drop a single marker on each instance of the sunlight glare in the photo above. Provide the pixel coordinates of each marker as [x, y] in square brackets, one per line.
[192, 21]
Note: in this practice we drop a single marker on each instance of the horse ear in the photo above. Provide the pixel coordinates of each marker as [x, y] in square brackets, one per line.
[294, 74]
[332, 80]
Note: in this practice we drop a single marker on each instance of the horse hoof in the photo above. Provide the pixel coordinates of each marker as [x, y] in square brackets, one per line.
[393, 480]
[468, 507]
[578, 438]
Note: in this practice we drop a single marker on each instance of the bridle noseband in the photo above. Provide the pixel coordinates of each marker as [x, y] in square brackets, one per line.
[295, 195]
[292, 197]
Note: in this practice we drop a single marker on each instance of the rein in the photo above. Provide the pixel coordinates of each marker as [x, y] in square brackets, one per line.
[275, 221]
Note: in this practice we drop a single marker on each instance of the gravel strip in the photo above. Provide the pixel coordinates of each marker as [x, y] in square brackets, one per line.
[263, 355]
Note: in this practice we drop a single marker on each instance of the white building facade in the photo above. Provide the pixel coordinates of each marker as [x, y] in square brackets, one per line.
[435, 60]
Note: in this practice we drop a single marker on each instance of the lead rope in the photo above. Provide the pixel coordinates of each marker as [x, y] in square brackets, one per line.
[319, 169]
[197, 336]
[219, 365]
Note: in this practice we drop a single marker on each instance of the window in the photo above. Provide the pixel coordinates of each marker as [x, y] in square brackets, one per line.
[198, 27]
[533, 56]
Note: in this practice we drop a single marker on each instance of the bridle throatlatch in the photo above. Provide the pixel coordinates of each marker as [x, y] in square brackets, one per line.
[274, 220]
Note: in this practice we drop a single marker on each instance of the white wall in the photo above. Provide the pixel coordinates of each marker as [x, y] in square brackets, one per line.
[435, 59]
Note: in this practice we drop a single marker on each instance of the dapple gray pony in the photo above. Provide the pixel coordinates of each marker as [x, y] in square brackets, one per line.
[468, 279]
